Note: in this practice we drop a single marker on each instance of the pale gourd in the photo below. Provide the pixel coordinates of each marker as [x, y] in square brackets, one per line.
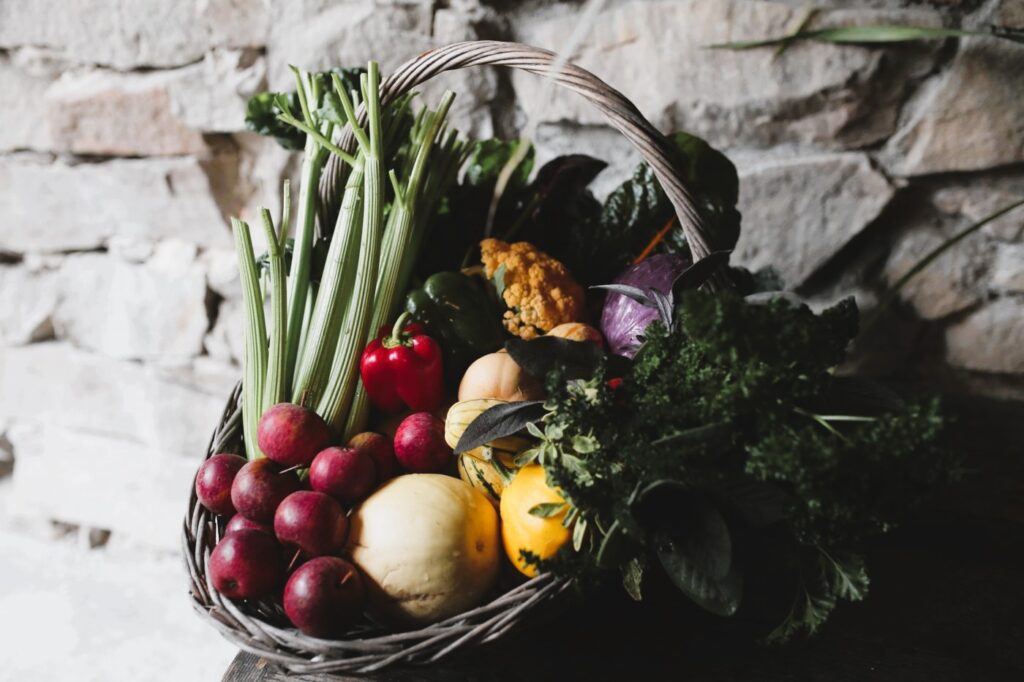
[498, 376]
[428, 546]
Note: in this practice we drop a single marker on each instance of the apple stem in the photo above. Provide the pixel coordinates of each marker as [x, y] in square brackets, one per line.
[295, 558]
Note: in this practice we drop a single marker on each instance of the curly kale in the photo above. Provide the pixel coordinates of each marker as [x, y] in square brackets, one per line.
[734, 415]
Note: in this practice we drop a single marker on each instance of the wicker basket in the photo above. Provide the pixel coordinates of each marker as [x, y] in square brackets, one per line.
[260, 627]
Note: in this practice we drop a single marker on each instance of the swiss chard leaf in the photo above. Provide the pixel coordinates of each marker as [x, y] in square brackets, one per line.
[556, 210]
[458, 224]
[635, 211]
[538, 357]
[499, 421]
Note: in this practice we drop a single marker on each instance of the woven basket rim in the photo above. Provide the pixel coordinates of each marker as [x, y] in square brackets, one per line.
[249, 625]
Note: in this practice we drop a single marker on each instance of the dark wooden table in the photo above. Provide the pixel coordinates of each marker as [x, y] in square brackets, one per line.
[946, 604]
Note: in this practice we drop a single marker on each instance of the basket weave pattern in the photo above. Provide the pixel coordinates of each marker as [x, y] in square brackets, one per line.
[260, 627]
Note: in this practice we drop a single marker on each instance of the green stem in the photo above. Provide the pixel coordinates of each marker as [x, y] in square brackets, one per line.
[298, 277]
[274, 389]
[335, 291]
[337, 398]
[394, 339]
[929, 258]
[398, 240]
[254, 360]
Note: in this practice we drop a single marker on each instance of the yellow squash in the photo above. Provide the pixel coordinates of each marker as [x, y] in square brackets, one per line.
[462, 414]
[522, 531]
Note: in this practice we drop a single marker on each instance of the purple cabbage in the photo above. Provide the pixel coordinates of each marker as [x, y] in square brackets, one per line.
[623, 320]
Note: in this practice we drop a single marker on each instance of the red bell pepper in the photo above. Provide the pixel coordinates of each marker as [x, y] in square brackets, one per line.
[402, 368]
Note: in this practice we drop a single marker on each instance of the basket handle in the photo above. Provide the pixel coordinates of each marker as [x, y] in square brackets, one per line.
[620, 112]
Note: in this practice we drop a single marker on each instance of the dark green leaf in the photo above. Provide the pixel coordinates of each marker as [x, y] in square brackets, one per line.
[538, 357]
[824, 578]
[555, 211]
[754, 503]
[698, 273]
[499, 421]
[696, 553]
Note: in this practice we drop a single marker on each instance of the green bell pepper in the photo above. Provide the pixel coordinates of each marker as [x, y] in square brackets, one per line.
[457, 312]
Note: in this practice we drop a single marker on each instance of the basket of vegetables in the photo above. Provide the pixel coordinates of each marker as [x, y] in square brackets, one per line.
[469, 387]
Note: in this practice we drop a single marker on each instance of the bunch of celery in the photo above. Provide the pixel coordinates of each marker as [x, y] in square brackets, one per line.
[317, 331]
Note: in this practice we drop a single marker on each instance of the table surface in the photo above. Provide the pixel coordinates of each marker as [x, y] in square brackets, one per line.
[946, 604]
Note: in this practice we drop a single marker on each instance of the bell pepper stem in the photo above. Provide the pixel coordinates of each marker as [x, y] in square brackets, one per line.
[395, 339]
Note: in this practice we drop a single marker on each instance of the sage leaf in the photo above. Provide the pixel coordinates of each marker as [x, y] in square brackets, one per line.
[632, 578]
[579, 532]
[499, 421]
[546, 510]
[537, 357]
[698, 273]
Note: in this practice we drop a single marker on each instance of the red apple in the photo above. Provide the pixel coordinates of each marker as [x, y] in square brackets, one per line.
[346, 474]
[324, 596]
[291, 435]
[419, 444]
[259, 487]
[379, 448]
[213, 482]
[312, 522]
[239, 522]
[246, 564]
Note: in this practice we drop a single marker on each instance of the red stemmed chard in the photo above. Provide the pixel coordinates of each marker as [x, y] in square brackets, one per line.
[402, 369]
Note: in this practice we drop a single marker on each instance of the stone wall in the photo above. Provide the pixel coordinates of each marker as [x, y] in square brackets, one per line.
[123, 150]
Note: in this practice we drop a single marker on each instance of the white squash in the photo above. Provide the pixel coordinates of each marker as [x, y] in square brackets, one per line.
[428, 546]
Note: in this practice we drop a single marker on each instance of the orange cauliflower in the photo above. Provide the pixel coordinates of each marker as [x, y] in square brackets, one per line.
[537, 289]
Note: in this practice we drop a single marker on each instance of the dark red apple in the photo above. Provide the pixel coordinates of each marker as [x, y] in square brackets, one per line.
[239, 522]
[291, 435]
[259, 487]
[346, 474]
[324, 596]
[379, 448]
[419, 444]
[246, 564]
[213, 482]
[312, 522]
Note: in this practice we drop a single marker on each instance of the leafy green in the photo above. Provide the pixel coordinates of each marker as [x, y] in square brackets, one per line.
[596, 242]
[822, 580]
[723, 416]
[261, 117]
[263, 109]
[461, 216]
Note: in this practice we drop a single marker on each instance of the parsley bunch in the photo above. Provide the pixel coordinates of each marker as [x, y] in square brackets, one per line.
[728, 429]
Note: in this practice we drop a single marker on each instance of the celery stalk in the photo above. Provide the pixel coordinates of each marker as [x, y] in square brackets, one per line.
[398, 237]
[335, 290]
[298, 277]
[274, 389]
[344, 370]
[255, 357]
